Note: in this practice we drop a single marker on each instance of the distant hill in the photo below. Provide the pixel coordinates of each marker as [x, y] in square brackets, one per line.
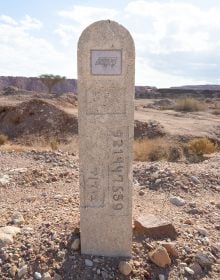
[34, 84]
[70, 86]
[199, 87]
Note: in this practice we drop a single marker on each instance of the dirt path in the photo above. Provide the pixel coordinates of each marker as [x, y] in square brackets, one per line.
[195, 124]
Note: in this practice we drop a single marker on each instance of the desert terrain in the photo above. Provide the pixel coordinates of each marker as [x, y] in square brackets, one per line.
[39, 192]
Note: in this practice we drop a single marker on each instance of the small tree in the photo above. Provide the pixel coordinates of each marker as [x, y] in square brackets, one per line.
[50, 80]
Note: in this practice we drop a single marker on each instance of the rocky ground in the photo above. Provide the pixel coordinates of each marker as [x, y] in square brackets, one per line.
[39, 220]
[176, 205]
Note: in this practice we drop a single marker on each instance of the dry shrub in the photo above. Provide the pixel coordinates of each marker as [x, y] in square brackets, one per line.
[175, 153]
[150, 149]
[9, 147]
[54, 144]
[156, 149]
[189, 104]
[3, 139]
[201, 146]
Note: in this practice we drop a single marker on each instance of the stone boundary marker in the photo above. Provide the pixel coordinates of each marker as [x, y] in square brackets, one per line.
[106, 63]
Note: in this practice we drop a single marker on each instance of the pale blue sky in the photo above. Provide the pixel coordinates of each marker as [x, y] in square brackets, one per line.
[177, 42]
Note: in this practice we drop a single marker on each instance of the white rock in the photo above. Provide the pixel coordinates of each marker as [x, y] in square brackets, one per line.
[178, 201]
[76, 244]
[88, 262]
[4, 180]
[5, 239]
[37, 276]
[22, 271]
[161, 277]
[189, 270]
[7, 233]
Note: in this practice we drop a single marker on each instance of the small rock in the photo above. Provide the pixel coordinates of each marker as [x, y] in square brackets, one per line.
[215, 249]
[161, 277]
[155, 226]
[194, 211]
[189, 270]
[202, 231]
[4, 180]
[12, 270]
[22, 271]
[7, 233]
[17, 219]
[124, 268]
[192, 204]
[203, 259]
[178, 201]
[160, 257]
[104, 275]
[188, 222]
[196, 268]
[141, 193]
[171, 248]
[195, 179]
[88, 262]
[47, 276]
[37, 276]
[57, 277]
[76, 244]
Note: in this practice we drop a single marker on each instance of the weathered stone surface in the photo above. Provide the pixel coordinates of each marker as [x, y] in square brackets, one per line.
[155, 226]
[7, 233]
[160, 257]
[106, 91]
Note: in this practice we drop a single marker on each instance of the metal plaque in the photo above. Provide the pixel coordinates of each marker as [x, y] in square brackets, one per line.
[106, 62]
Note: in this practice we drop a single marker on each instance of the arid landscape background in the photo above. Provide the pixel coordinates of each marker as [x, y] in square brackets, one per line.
[176, 179]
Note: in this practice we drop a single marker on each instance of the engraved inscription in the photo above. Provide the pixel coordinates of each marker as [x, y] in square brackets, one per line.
[106, 62]
[118, 172]
[93, 193]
